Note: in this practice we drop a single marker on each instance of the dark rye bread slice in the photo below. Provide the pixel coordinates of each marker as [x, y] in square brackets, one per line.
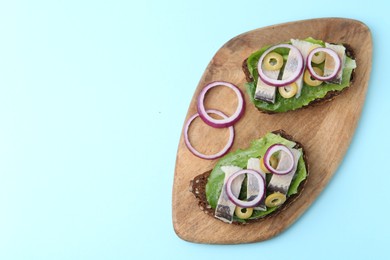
[328, 97]
[198, 187]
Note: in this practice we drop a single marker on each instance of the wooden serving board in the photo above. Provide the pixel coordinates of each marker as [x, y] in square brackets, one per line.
[325, 130]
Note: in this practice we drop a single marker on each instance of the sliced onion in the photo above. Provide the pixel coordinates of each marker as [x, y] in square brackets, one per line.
[276, 148]
[294, 76]
[206, 156]
[334, 56]
[243, 203]
[225, 121]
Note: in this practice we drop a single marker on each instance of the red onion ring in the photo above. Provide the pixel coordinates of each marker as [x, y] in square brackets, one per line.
[335, 57]
[284, 82]
[242, 203]
[226, 121]
[222, 152]
[273, 149]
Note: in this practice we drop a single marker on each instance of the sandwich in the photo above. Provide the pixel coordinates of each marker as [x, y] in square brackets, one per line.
[255, 183]
[297, 74]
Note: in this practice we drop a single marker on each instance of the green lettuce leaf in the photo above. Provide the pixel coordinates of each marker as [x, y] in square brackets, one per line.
[308, 93]
[240, 158]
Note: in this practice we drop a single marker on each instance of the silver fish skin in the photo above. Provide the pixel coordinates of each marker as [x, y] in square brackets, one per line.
[252, 187]
[264, 91]
[281, 183]
[225, 207]
[329, 62]
[304, 47]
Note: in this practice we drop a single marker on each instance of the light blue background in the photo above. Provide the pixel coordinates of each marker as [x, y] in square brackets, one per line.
[93, 95]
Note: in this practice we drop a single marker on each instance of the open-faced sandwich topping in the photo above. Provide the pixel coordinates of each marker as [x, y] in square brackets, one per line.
[238, 189]
[332, 64]
[276, 85]
[292, 69]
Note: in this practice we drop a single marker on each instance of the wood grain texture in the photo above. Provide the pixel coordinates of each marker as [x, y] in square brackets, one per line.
[325, 130]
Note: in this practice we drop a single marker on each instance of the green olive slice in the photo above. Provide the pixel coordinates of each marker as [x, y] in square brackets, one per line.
[273, 61]
[275, 199]
[288, 91]
[243, 213]
[309, 80]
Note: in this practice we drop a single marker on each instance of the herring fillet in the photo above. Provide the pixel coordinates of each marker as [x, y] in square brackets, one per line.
[225, 207]
[329, 62]
[281, 183]
[291, 64]
[304, 47]
[252, 189]
[264, 91]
